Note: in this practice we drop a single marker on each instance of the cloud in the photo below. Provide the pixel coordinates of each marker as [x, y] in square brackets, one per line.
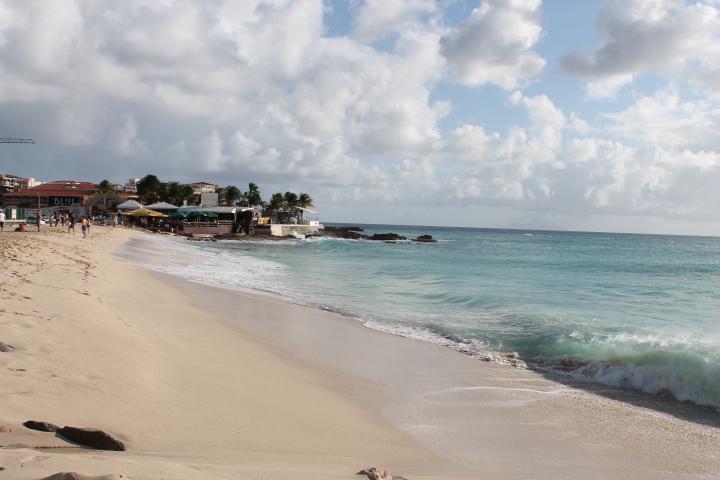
[494, 46]
[540, 168]
[665, 119]
[376, 19]
[255, 91]
[672, 38]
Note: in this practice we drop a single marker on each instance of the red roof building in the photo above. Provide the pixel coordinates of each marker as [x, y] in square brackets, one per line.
[60, 193]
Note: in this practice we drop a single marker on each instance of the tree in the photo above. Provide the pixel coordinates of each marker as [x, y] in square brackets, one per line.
[231, 194]
[305, 200]
[221, 194]
[253, 195]
[150, 188]
[106, 187]
[291, 199]
[277, 201]
[186, 193]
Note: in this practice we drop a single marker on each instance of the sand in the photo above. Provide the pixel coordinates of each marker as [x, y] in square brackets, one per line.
[103, 344]
[203, 382]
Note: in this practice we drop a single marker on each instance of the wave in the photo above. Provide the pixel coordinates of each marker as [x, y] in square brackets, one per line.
[688, 368]
[645, 364]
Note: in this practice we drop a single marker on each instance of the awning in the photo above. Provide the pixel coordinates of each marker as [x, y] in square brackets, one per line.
[144, 212]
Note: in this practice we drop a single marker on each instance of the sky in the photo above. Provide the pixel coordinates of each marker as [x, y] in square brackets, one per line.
[597, 115]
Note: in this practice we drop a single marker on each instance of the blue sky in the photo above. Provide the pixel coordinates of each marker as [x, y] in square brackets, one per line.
[592, 114]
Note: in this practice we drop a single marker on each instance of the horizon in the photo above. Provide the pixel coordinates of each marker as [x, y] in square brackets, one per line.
[595, 116]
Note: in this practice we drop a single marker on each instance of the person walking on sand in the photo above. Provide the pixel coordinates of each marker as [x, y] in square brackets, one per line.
[63, 216]
[83, 227]
[87, 224]
[71, 223]
[37, 219]
[2, 220]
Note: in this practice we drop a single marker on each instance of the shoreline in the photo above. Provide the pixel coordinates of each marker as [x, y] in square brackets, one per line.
[561, 369]
[337, 394]
[334, 342]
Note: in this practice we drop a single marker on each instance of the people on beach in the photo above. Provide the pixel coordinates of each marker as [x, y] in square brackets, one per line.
[2, 220]
[87, 224]
[71, 223]
[83, 226]
[37, 219]
[63, 219]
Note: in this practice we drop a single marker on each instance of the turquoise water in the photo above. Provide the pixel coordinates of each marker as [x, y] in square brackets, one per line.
[636, 311]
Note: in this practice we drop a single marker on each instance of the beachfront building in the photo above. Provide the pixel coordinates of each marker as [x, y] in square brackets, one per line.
[293, 222]
[13, 183]
[202, 187]
[60, 195]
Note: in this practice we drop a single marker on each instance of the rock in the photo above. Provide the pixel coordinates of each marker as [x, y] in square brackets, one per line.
[4, 347]
[387, 237]
[91, 437]
[425, 238]
[41, 426]
[378, 474]
[354, 229]
[77, 476]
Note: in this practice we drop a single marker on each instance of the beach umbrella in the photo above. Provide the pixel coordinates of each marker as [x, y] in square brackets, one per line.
[144, 212]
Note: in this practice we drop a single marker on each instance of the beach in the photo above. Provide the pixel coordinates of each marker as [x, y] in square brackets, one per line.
[205, 382]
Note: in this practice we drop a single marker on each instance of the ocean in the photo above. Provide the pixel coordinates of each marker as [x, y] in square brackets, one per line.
[633, 311]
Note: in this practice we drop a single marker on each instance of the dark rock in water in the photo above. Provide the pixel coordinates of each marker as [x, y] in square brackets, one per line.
[378, 474]
[387, 237]
[40, 426]
[4, 347]
[77, 476]
[354, 229]
[91, 437]
[338, 232]
[425, 238]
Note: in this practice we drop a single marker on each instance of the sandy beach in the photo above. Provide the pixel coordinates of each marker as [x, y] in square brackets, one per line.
[201, 382]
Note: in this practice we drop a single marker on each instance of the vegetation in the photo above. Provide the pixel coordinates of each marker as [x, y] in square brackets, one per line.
[105, 187]
[151, 190]
[289, 200]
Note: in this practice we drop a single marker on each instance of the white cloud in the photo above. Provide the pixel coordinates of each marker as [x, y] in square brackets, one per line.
[377, 19]
[674, 38]
[253, 90]
[494, 45]
[665, 119]
[540, 168]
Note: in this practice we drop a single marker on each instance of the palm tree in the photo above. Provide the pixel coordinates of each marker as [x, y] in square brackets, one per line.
[231, 194]
[253, 195]
[291, 199]
[277, 201]
[305, 200]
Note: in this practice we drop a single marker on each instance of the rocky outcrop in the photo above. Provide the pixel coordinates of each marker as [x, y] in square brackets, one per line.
[4, 347]
[425, 239]
[340, 232]
[378, 474]
[340, 229]
[388, 237]
[93, 438]
[40, 426]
